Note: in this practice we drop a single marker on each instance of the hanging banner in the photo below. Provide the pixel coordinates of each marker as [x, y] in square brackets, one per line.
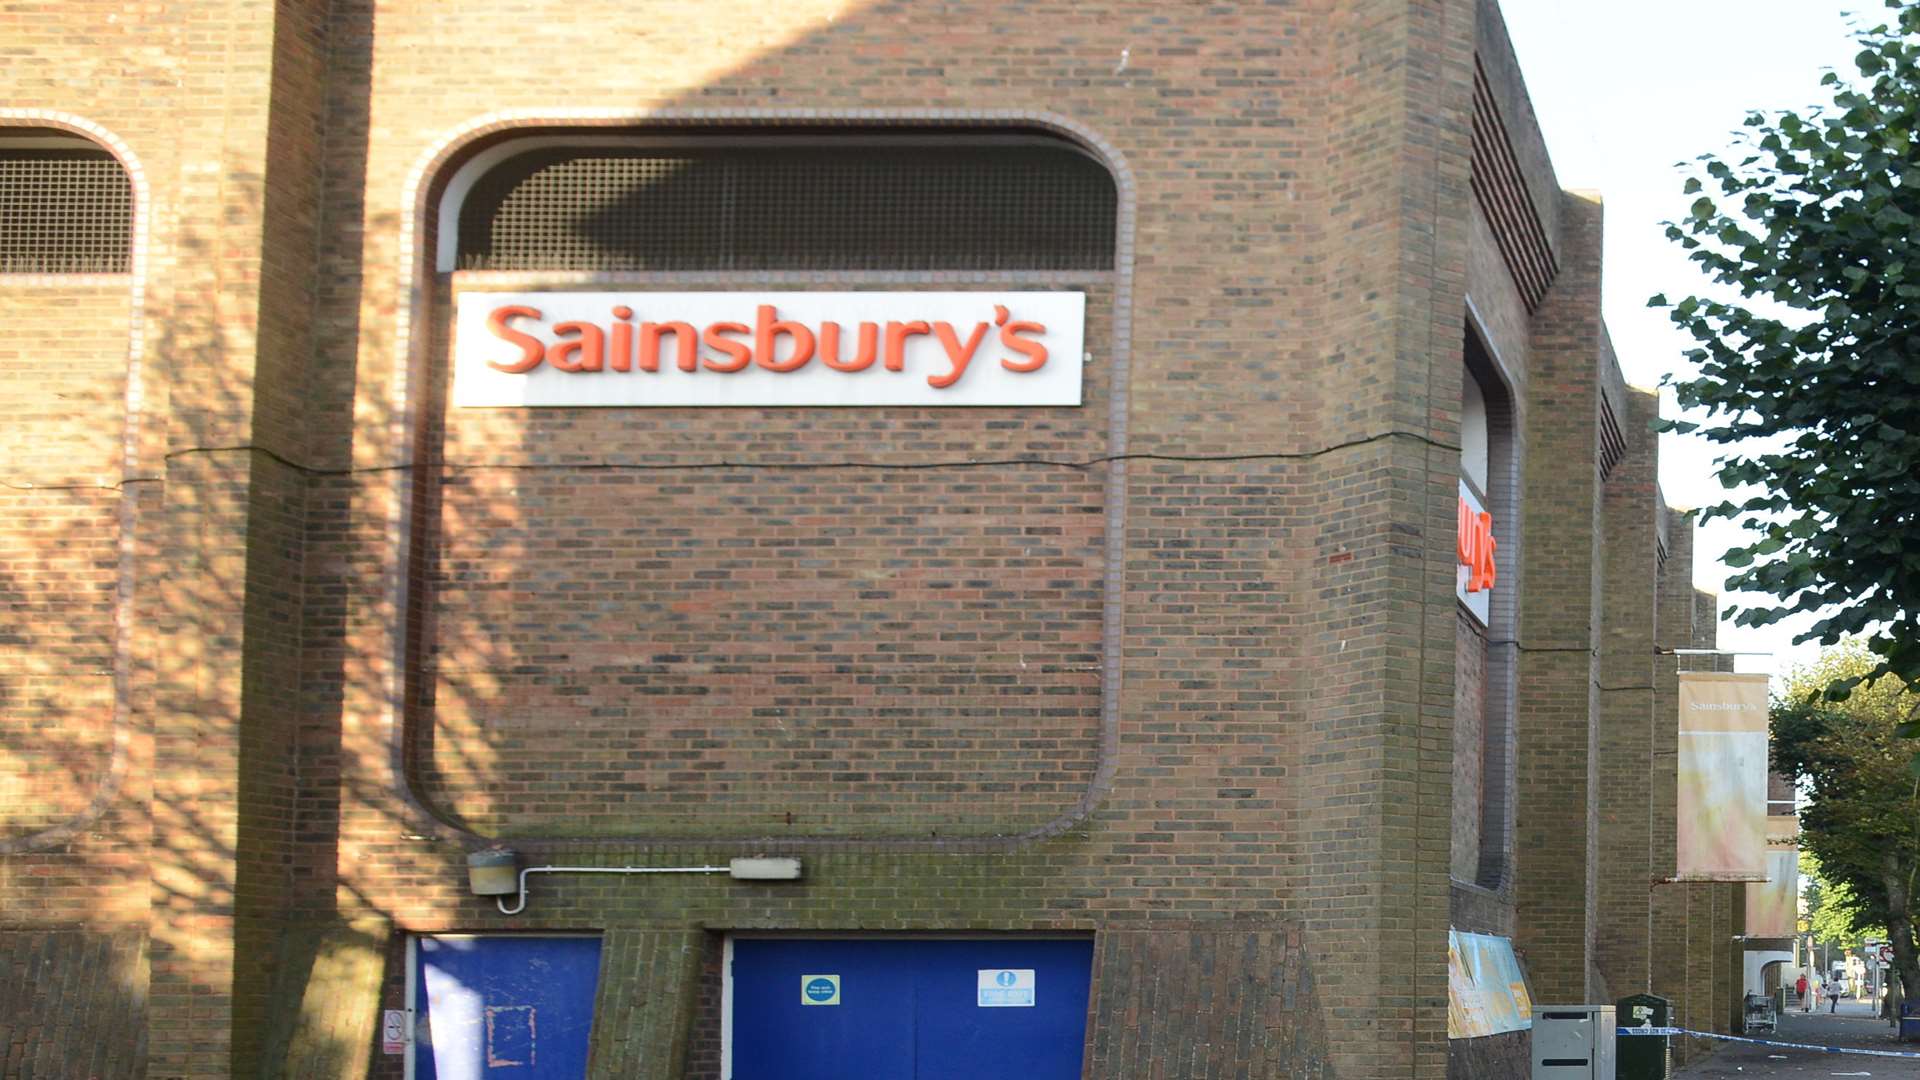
[1721, 829]
[1773, 907]
[1486, 993]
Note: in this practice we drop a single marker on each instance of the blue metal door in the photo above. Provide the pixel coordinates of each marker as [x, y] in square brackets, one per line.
[909, 1009]
[511, 1008]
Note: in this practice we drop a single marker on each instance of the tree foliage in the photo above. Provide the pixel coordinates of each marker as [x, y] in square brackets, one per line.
[1861, 820]
[1835, 914]
[1813, 220]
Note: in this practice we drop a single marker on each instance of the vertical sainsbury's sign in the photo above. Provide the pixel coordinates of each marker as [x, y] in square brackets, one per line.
[768, 349]
[1475, 571]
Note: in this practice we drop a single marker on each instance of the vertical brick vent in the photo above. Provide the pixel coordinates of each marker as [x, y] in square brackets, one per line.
[63, 210]
[1613, 442]
[810, 203]
[1500, 187]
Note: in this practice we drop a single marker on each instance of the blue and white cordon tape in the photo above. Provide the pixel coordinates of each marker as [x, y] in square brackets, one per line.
[1766, 1042]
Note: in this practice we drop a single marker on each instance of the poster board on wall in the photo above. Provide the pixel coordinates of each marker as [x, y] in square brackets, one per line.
[1486, 991]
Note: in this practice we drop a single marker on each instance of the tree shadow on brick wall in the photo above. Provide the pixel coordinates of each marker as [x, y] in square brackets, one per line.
[73, 956]
[56, 655]
[209, 872]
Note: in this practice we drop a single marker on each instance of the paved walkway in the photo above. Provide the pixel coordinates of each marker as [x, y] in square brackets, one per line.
[1852, 1025]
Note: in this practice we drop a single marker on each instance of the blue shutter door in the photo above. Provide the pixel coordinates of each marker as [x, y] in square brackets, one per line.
[505, 1008]
[909, 1010]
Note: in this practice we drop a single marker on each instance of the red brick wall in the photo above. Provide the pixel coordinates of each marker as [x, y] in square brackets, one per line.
[1669, 901]
[1559, 622]
[1278, 778]
[73, 767]
[1258, 708]
[1469, 742]
[1623, 948]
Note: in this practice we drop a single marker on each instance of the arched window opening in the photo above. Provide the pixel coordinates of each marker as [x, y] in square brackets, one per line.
[66, 206]
[1484, 669]
[911, 201]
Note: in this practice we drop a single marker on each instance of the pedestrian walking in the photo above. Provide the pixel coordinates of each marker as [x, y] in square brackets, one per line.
[1800, 991]
[1833, 996]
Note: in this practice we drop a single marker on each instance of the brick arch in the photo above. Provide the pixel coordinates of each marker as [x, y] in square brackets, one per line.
[415, 272]
[134, 399]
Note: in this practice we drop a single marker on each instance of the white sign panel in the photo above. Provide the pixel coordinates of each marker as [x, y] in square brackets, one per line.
[1006, 988]
[819, 989]
[393, 1031]
[768, 349]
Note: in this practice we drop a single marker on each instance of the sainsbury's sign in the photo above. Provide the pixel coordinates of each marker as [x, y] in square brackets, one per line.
[768, 349]
[1473, 544]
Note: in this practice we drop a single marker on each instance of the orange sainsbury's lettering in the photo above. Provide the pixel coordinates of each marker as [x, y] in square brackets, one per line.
[767, 331]
[959, 355]
[620, 348]
[585, 343]
[864, 352]
[897, 335]
[531, 351]
[685, 338]
[1474, 546]
[740, 351]
[626, 345]
[1035, 353]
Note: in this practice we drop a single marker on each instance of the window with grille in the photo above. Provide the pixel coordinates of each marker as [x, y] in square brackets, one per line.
[66, 207]
[867, 203]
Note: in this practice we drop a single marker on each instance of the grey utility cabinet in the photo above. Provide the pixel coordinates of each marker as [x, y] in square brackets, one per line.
[1573, 1042]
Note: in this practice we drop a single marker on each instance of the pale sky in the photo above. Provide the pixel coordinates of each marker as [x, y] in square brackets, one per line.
[1624, 91]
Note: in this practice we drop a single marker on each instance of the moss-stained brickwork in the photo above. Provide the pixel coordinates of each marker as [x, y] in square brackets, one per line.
[643, 1014]
[73, 1004]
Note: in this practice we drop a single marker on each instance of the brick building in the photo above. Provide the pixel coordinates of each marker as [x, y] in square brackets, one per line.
[1183, 668]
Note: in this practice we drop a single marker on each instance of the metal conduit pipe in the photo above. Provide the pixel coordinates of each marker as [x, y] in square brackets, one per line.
[758, 869]
[521, 904]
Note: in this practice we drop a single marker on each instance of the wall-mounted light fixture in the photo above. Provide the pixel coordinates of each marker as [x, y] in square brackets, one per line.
[491, 873]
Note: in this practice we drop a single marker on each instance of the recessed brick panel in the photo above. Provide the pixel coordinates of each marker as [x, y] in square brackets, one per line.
[62, 359]
[1469, 745]
[766, 648]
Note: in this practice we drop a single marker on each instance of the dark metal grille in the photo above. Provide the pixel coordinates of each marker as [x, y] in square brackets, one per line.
[64, 212]
[812, 206]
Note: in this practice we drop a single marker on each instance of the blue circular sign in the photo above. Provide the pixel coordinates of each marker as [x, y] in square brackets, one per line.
[821, 989]
[1005, 978]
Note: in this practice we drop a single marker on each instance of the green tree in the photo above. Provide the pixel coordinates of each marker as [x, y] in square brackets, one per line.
[1811, 377]
[1834, 913]
[1861, 819]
